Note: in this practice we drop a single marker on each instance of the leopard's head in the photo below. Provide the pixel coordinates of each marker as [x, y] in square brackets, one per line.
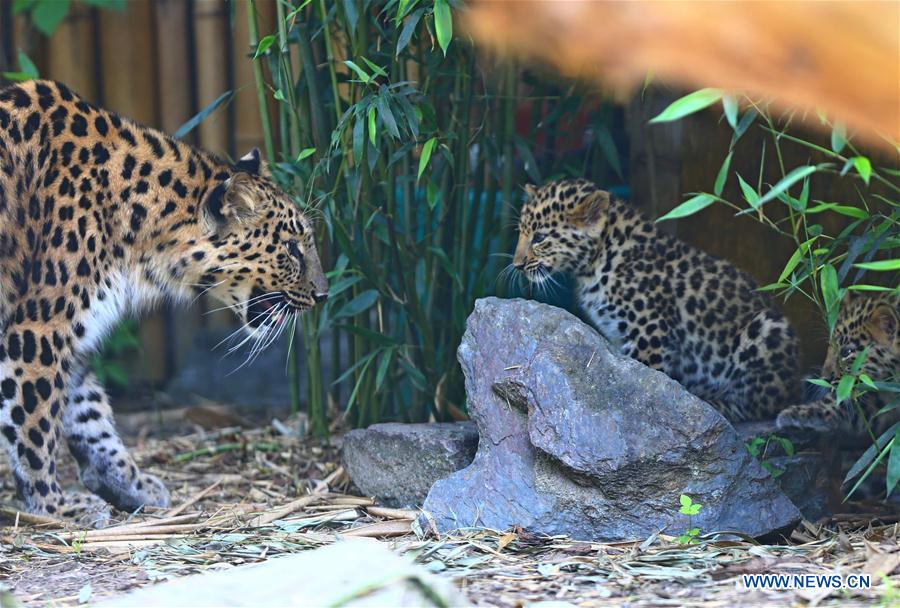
[559, 226]
[869, 323]
[264, 262]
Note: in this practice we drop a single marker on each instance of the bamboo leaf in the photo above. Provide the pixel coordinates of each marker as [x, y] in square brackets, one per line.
[372, 129]
[387, 117]
[361, 73]
[845, 388]
[305, 153]
[351, 12]
[191, 124]
[863, 167]
[531, 167]
[383, 365]
[426, 156]
[787, 181]
[608, 148]
[750, 194]
[263, 46]
[48, 14]
[722, 176]
[409, 28]
[880, 265]
[689, 207]
[357, 305]
[730, 105]
[443, 24]
[831, 296]
[893, 465]
[688, 104]
[869, 455]
[838, 137]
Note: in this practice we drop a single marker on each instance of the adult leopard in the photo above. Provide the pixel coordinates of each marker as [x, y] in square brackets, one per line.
[101, 217]
[673, 307]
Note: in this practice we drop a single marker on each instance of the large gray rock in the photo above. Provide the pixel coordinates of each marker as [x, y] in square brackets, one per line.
[398, 463]
[578, 440]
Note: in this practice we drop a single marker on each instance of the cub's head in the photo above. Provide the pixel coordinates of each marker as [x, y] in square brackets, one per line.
[261, 259]
[866, 321]
[558, 228]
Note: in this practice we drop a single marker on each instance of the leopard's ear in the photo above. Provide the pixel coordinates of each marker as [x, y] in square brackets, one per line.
[252, 163]
[591, 208]
[884, 323]
[228, 204]
[530, 190]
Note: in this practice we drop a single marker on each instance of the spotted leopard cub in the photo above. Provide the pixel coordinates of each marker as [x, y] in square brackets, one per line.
[866, 323]
[101, 217]
[671, 306]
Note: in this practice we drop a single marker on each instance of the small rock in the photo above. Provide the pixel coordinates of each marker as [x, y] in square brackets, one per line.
[806, 476]
[398, 463]
[576, 439]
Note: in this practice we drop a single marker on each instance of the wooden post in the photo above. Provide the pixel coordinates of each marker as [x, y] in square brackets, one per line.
[176, 106]
[128, 85]
[71, 53]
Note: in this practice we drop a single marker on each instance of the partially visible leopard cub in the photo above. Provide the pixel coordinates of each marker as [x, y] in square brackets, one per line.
[865, 322]
[671, 306]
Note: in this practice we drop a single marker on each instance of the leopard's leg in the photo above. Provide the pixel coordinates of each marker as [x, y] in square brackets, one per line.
[107, 469]
[822, 415]
[764, 370]
[33, 374]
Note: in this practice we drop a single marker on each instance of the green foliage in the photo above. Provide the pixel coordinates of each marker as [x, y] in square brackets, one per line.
[27, 69]
[759, 447]
[107, 363]
[46, 15]
[826, 263]
[690, 508]
[405, 146]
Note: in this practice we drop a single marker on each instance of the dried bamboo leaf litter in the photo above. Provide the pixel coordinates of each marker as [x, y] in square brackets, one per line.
[243, 496]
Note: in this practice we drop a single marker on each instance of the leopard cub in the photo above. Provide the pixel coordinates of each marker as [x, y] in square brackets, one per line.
[675, 308]
[867, 327]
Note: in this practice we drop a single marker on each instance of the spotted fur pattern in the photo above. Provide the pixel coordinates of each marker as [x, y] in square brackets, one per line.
[673, 307]
[101, 217]
[869, 323]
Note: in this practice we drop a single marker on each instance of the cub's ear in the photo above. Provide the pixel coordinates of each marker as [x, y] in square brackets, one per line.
[530, 190]
[251, 163]
[589, 209]
[228, 204]
[884, 323]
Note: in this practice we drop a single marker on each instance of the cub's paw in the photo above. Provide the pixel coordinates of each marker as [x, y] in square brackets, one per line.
[803, 418]
[125, 492]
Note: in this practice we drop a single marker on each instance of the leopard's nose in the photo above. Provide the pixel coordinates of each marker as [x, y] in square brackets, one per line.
[320, 297]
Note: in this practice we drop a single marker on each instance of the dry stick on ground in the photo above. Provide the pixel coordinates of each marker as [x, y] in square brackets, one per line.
[194, 499]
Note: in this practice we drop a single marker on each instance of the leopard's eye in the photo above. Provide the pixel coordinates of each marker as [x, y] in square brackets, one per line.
[293, 249]
[847, 352]
[538, 237]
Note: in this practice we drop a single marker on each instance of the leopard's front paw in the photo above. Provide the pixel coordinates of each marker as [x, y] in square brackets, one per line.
[84, 509]
[125, 492]
[802, 418]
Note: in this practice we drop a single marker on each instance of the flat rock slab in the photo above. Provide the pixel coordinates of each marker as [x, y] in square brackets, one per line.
[356, 572]
[398, 463]
[576, 439]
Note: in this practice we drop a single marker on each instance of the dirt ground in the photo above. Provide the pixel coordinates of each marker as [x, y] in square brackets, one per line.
[243, 495]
